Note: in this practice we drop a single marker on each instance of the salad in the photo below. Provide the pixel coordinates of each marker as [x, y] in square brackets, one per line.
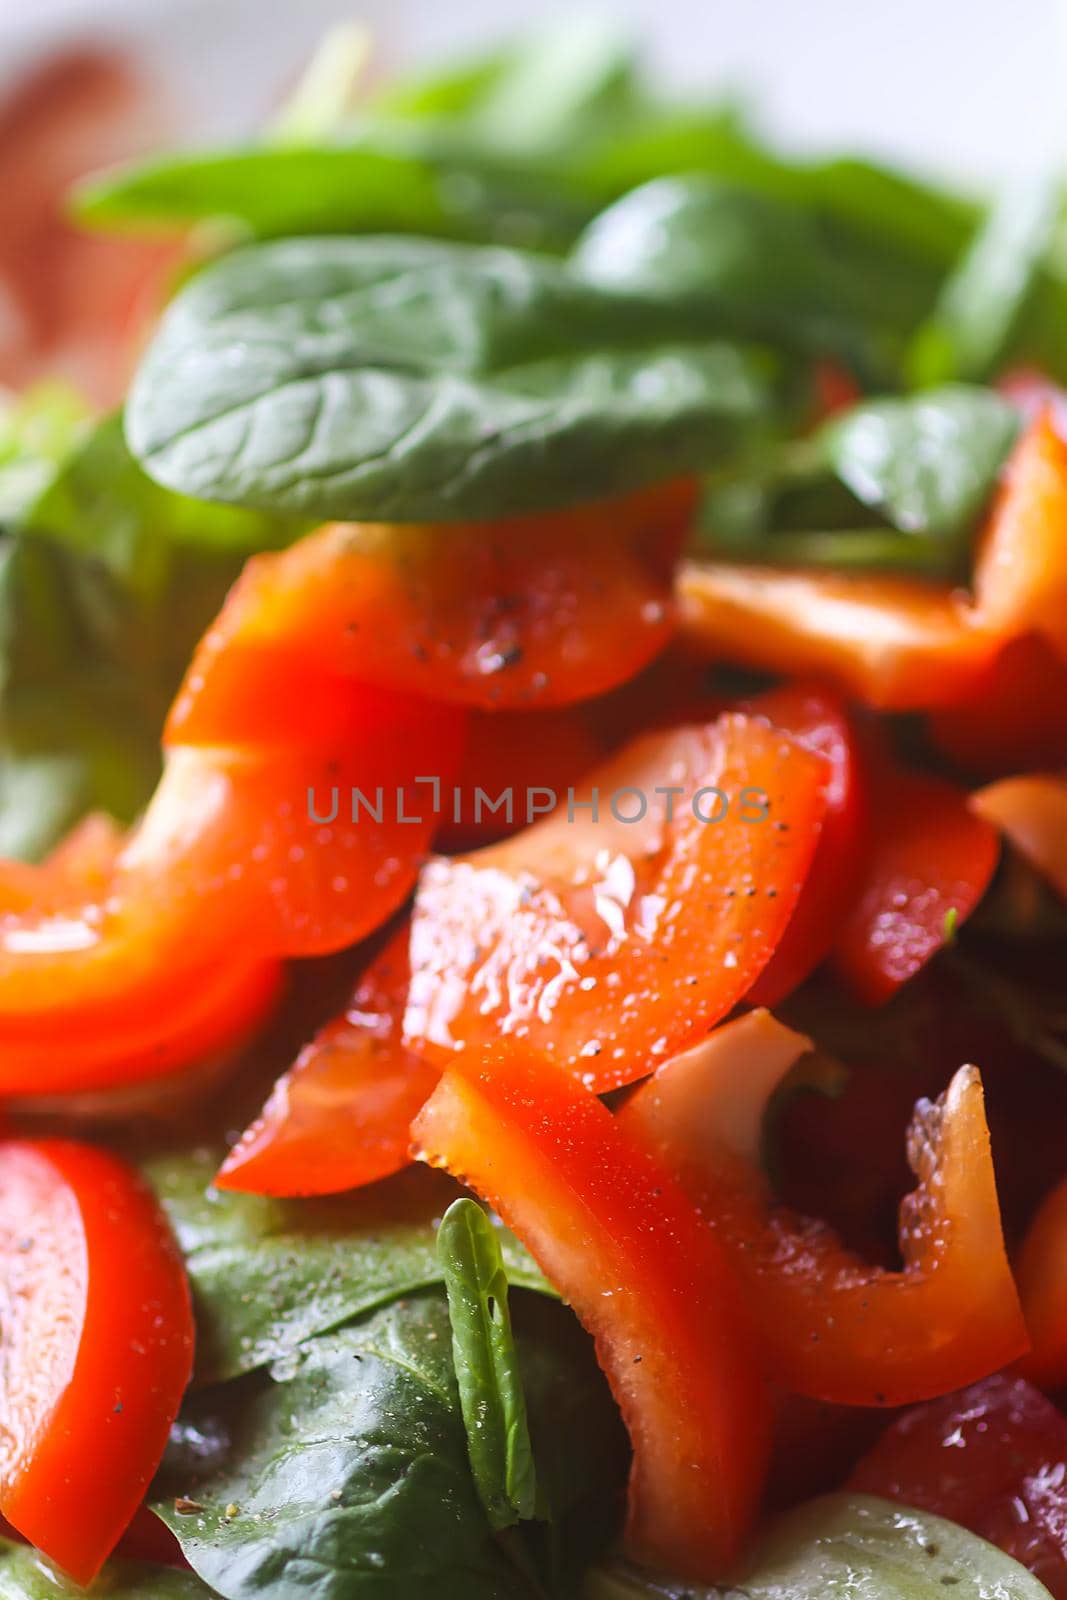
[533, 804]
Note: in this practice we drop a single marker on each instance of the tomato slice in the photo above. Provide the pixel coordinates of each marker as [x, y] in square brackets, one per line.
[832, 1327]
[340, 1117]
[97, 1345]
[621, 1243]
[817, 720]
[81, 864]
[1020, 576]
[992, 1458]
[930, 855]
[1042, 1274]
[1032, 812]
[609, 944]
[893, 643]
[533, 611]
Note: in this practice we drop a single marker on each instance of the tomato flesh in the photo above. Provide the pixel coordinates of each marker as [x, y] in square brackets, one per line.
[993, 1458]
[97, 1344]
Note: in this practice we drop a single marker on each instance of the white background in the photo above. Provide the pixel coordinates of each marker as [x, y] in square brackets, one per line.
[973, 86]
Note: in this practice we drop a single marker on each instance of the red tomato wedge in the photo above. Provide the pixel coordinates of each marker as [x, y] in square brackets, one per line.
[830, 1326]
[1042, 1274]
[893, 643]
[1032, 813]
[534, 611]
[621, 1243]
[609, 944]
[97, 1347]
[1020, 577]
[992, 1458]
[340, 1117]
[818, 720]
[930, 855]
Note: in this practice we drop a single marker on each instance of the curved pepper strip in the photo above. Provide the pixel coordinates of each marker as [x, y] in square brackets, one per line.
[1042, 1274]
[616, 1236]
[930, 855]
[830, 1326]
[529, 612]
[896, 643]
[1031, 812]
[670, 918]
[97, 1346]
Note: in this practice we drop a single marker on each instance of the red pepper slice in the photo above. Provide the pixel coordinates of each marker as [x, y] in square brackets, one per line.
[1017, 720]
[1032, 812]
[1042, 1273]
[97, 1346]
[817, 719]
[831, 1326]
[340, 1117]
[930, 855]
[534, 611]
[608, 944]
[621, 1243]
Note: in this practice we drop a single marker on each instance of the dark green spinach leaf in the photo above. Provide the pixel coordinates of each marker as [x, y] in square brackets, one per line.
[483, 1348]
[928, 464]
[24, 1575]
[843, 1546]
[268, 1274]
[344, 1472]
[415, 380]
[980, 304]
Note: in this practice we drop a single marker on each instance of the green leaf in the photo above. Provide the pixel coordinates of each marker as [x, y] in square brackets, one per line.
[928, 464]
[38, 430]
[970, 329]
[483, 1348]
[25, 1575]
[757, 261]
[344, 1472]
[268, 1274]
[415, 380]
[845, 1546]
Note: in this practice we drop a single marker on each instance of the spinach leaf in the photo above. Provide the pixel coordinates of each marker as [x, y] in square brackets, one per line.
[418, 380]
[268, 1274]
[980, 304]
[755, 258]
[38, 430]
[105, 586]
[344, 1471]
[928, 464]
[483, 1349]
[845, 1545]
[24, 1575]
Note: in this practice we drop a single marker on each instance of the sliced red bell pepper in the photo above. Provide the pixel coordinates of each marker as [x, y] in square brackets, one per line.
[817, 719]
[1032, 813]
[831, 1326]
[609, 944]
[1017, 720]
[340, 1117]
[993, 1458]
[97, 1345]
[621, 1243]
[1042, 1274]
[535, 611]
[930, 855]
[893, 643]
[1020, 576]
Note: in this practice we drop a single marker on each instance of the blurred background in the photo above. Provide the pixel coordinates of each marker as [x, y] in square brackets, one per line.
[971, 87]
